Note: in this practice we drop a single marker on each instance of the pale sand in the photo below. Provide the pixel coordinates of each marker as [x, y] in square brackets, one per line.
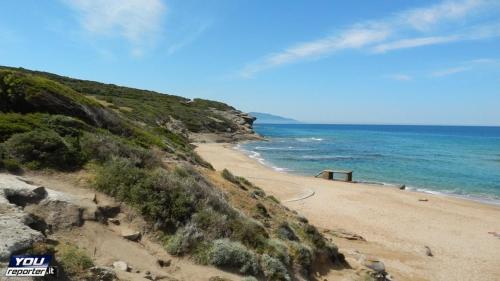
[396, 224]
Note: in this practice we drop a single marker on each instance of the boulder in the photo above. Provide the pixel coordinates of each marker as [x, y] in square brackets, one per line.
[15, 235]
[121, 265]
[131, 235]
[101, 274]
[57, 213]
[374, 265]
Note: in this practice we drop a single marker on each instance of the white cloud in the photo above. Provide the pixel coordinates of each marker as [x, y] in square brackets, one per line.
[355, 37]
[414, 42]
[449, 71]
[400, 77]
[138, 21]
[470, 65]
[425, 18]
[388, 34]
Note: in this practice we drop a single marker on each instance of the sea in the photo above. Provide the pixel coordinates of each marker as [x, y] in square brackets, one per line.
[461, 161]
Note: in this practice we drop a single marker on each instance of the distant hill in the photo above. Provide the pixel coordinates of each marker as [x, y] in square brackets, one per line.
[266, 118]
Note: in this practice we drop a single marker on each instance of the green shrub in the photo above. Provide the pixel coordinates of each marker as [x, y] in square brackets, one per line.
[249, 278]
[250, 232]
[214, 224]
[274, 199]
[159, 195]
[10, 165]
[229, 176]
[104, 146]
[285, 232]
[227, 254]
[302, 256]
[39, 149]
[244, 181]
[66, 125]
[273, 269]
[73, 260]
[277, 249]
[185, 240]
[14, 123]
[314, 236]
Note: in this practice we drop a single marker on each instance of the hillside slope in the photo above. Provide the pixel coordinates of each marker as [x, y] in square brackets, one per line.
[134, 146]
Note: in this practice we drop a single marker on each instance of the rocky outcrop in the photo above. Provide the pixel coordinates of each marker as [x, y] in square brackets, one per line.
[16, 234]
[174, 125]
[29, 212]
[242, 128]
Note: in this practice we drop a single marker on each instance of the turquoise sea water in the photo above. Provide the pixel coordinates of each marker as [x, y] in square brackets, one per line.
[461, 161]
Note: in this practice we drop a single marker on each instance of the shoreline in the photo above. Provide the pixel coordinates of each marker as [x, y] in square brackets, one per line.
[471, 197]
[396, 224]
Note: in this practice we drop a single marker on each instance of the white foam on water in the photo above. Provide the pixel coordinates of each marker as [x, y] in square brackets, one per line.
[257, 156]
[311, 139]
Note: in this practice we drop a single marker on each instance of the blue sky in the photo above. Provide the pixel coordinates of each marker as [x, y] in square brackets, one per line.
[377, 62]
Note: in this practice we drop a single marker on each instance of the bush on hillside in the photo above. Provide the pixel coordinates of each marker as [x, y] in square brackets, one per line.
[273, 269]
[278, 249]
[7, 164]
[159, 195]
[250, 232]
[214, 224]
[40, 149]
[104, 146]
[229, 176]
[303, 256]
[227, 254]
[285, 232]
[74, 261]
[185, 240]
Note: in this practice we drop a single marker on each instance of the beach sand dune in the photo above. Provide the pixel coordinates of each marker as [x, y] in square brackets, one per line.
[398, 227]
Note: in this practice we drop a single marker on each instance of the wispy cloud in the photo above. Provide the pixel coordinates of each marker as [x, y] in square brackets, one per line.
[188, 39]
[427, 17]
[414, 42]
[407, 29]
[470, 65]
[449, 71]
[353, 38]
[400, 77]
[137, 21]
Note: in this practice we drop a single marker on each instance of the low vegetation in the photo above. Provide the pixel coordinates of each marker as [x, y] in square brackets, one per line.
[225, 253]
[73, 260]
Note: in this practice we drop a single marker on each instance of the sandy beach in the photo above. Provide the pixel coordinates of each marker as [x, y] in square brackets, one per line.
[395, 223]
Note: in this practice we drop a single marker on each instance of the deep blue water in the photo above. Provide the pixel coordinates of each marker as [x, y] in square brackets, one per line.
[463, 161]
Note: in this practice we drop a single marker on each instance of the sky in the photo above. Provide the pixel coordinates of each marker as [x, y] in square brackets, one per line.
[368, 62]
